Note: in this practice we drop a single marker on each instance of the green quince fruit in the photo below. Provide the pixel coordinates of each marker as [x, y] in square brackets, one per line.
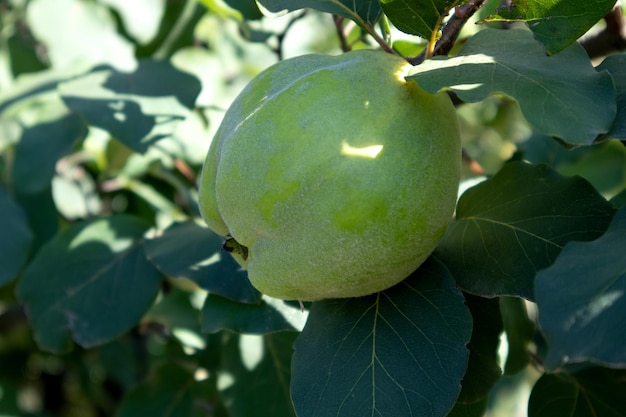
[332, 176]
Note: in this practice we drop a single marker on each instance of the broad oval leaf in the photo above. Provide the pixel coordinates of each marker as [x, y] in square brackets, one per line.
[396, 353]
[417, 17]
[513, 225]
[561, 95]
[170, 391]
[41, 146]
[363, 12]
[555, 23]
[137, 108]
[582, 300]
[616, 66]
[590, 392]
[254, 374]
[91, 283]
[188, 250]
[15, 240]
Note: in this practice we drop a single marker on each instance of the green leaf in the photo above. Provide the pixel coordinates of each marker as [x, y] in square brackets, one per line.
[476, 409]
[91, 282]
[15, 239]
[396, 353]
[138, 108]
[188, 250]
[511, 226]
[41, 146]
[170, 391]
[417, 17]
[561, 96]
[591, 392]
[519, 331]
[582, 300]
[616, 66]
[363, 12]
[254, 375]
[555, 23]
[483, 370]
[267, 316]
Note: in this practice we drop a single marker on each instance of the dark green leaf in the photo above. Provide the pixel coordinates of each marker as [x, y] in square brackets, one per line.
[483, 370]
[41, 146]
[171, 391]
[619, 200]
[515, 224]
[15, 239]
[248, 8]
[138, 108]
[582, 300]
[396, 353]
[361, 11]
[519, 331]
[255, 373]
[590, 392]
[41, 213]
[267, 316]
[616, 66]
[556, 23]
[476, 409]
[191, 251]
[91, 282]
[576, 105]
[417, 17]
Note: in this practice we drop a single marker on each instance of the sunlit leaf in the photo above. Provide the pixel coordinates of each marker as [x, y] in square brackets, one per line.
[513, 225]
[138, 108]
[361, 11]
[188, 250]
[417, 17]
[266, 316]
[91, 283]
[590, 392]
[582, 300]
[15, 239]
[561, 95]
[254, 375]
[396, 353]
[555, 23]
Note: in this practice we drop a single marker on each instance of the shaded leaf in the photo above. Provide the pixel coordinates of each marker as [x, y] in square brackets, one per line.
[15, 239]
[42, 146]
[417, 17]
[511, 226]
[483, 370]
[361, 11]
[267, 316]
[590, 392]
[170, 391]
[476, 409]
[555, 23]
[616, 66]
[254, 375]
[582, 300]
[519, 331]
[399, 352]
[188, 250]
[42, 215]
[91, 282]
[562, 95]
[138, 108]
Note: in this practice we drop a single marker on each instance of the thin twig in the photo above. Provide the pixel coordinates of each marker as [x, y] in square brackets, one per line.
[450, 32]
